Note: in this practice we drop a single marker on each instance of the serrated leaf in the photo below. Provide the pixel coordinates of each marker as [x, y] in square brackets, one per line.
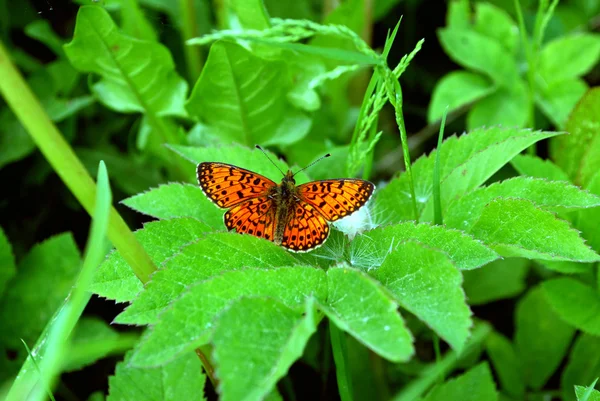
[552, 195]
[181, 379]
[584, 394]
[518, 228]
[189, 321]
[466, 162]
[479, 53]
[583, 365]
[475, 385]
[243, 98]
[541, 338]
[425, 282]
[507, 364]
[371, 249]
[507, 107]
[457, 89]
[137, 76]
[114, 279]
[177, 200]
[251, 358]
[534, 166]
[8, 267]
[576, 303]
[498, 280]
[358, 305]
[557, 99]
[569, 56]
[206, 258]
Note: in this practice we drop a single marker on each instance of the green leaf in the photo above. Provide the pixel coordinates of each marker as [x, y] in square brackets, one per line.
[455, 90]
[177, 200]
[497, 24]
[425, 282]
[552, 195]
[534, 166]
[498, 280]
[358, 305]
[517, 228]
[558, 99]
[181, 379]
[507, 107]
[371, 249]
[576, 303]
[201, 260]
[42, 31]
[578, 153]
[252, 14]
[588, 220]
[477, 52]
[583, 365]
[584, 394]
[188, 322]
[466, 162]
[251, 358]
[541, 338]
[475, 385]
[115, 280]
[569, 56]
[8, 267]
[243, 98]
[137, 76]
[507, 364]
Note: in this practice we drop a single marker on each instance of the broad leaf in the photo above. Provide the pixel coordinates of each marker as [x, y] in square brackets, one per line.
[495, 23]
[585, 394]
[569, 57]
[541, 338]
[517, 228]
[576, 303]
[7, 262]
[557, 99]
[189, 321]
[508, 107]
[425, 282]
[475, 385]
[359, 305]
[536, 167]
[583, 365]
[507, 364]
[498, 280]
[114, 279]
[588, 220]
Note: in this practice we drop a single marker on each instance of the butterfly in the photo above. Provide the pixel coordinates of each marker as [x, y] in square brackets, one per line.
[295, 217]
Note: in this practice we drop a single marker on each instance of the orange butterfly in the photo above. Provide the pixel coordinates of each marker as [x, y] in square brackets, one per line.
[294, 217]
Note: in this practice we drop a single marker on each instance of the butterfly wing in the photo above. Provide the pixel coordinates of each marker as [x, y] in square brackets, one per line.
[307, 229]
[336, 199]
[255, 217]
[228, 185]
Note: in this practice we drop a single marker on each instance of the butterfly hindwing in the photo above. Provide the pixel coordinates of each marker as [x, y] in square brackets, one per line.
[336, 199]
[255, 217]
[306, 230]
[228, 185]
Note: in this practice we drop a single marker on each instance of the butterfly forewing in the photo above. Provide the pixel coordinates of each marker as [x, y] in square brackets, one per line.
[228, 185]
[336, 199]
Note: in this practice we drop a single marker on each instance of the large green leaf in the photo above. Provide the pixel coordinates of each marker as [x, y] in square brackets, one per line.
[137, 76]
[8, 267]
[189, 322]
[557, 99]
[425, 282]
[243, 98]
[583, 365]
[536, 167]
[498, 280]
[569, 57]
[507, 107]
[588, 220]
[576, 303]
[475, 385]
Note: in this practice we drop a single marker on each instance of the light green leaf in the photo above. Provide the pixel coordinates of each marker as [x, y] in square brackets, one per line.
[584, 394]
[425, 282]
[177, 200]
[569, 56]
[137, 76]
[189, 321]
[558, 99]
[42, 31]
[115, 280]
[203, 259]
[583, 365]
[508, 107]
[552, 195]
[251, 358]
[479, 53]
[243, 98]
[135, 23]
[358, 305]
[576, 303]
[457, 89]
[517, 228]
[541, 338]
[588, 220]
[466, 162]
[475, 385]
[498, 280]
[507, 364]
[181, 379]
[371, 249]
[497, 24]
[251, 13]
[8, 267]
[534, 166]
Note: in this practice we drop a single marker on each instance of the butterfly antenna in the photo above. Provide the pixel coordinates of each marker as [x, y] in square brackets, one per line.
[315, 162]
[267, 156]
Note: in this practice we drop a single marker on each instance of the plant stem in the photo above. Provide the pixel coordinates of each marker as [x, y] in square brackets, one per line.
[189, 29]
[338, 345]
[437, 198]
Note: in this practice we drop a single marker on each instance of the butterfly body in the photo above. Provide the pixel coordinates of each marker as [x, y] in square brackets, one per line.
[293, 216]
